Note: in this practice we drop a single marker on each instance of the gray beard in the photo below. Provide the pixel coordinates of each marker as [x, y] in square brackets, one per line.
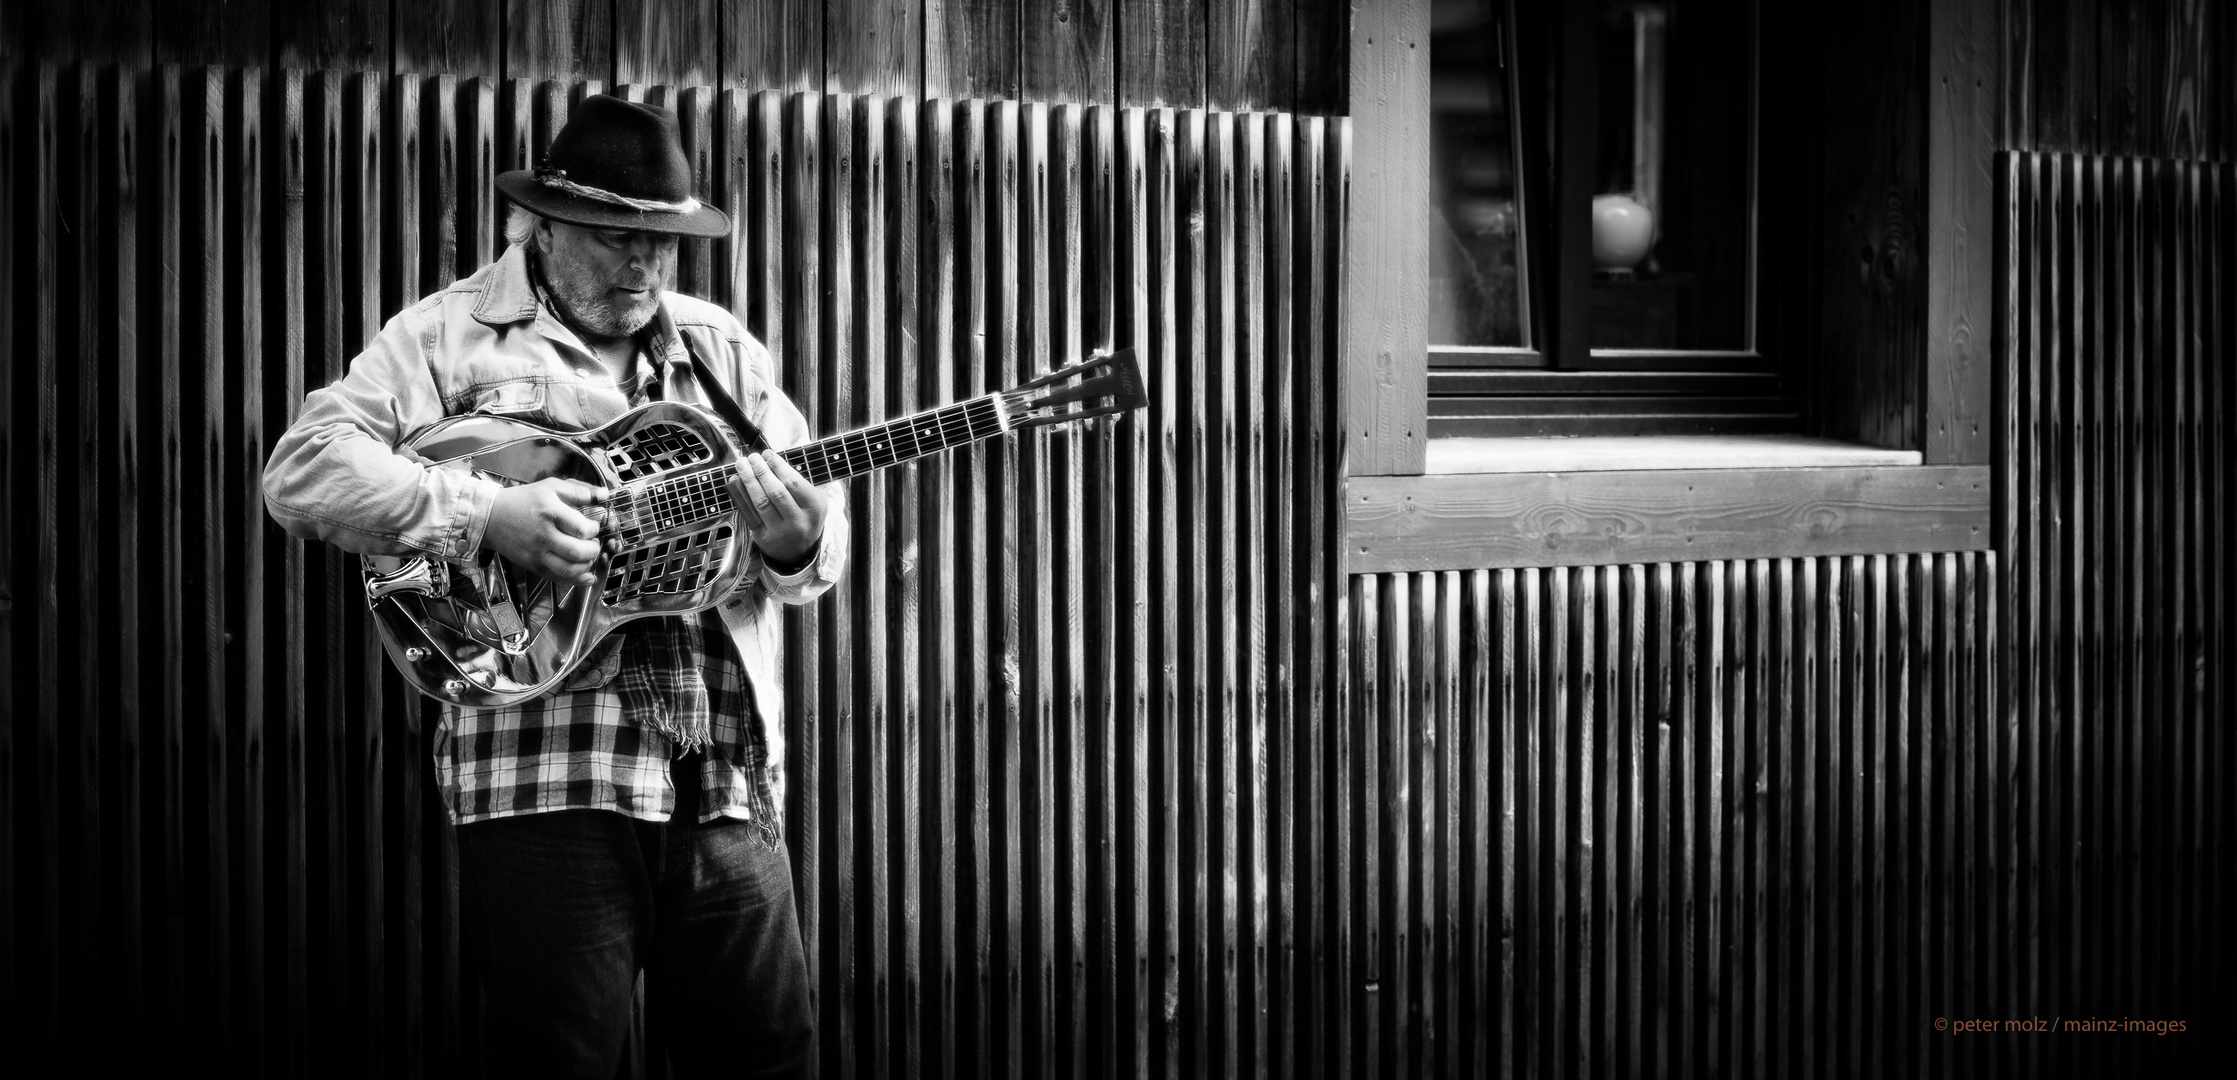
[586, 306]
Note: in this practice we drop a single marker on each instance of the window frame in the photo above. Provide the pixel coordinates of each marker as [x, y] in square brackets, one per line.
[1383, 406]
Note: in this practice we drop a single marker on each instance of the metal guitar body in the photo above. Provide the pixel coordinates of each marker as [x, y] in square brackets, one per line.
[485, 632]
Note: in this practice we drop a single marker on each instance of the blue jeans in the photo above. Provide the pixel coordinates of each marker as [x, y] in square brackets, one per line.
[564, 908]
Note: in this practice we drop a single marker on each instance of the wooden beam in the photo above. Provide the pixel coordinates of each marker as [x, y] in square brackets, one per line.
[1385, 352]
[1965, 69]
[1658, 515]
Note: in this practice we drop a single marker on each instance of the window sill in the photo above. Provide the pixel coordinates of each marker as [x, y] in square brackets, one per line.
[1496, 503]
[1619, 452]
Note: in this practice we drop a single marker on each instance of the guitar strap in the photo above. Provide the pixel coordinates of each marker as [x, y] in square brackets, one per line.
[719, 396]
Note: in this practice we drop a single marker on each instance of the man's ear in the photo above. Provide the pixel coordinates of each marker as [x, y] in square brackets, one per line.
[540, 236]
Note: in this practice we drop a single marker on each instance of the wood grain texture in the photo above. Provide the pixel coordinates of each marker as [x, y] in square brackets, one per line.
[353, 35]
[677, 42]
[1964, 62]
[876, 47]
[1162, 52]
[773, 44]
[562, 39]
[1250, 56]
[1571, 519]
[1385, 388]
[454, 37]
[971, 48]
[1067, 51]
[224, 33]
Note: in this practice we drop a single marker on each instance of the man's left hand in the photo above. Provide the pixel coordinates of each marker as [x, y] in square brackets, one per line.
[784, 509]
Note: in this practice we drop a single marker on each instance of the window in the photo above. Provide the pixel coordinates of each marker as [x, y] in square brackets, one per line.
[1593, 221]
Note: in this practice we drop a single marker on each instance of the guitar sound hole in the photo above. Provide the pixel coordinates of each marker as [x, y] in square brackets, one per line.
[676, 566]
[654, 449]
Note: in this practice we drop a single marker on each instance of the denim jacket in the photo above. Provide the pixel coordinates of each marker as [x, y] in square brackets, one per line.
[486, 344]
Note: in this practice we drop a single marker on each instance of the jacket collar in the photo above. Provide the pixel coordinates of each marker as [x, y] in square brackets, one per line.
[509, 296]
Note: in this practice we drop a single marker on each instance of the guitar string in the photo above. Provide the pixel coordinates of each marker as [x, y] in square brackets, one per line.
[699, 497]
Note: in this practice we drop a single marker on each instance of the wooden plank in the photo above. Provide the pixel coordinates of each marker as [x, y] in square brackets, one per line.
[1072, 841]
[1040, 597]
[455, 37]
[1384, 359]
[1163, 53]
[349, 35]
[676, 43]
[102, 31]
[971, 48]
[1248, 460]
[32, 444]
[1066, 51]
[897, 300]
[1095, 244]
[806, 650]
[1212, 256]
[938, 238]
[206, 310]
[1283, 668]
[16, 632]
[1964, 54]
[193, 32]
[837, 727]
[162, 196]
[876, 48]
[1194, 558]
[865, 333]
[1006, 681]
[1138, 592]
[1250, 56]
[559, 39]
[773, 44]
[287, 573]
[1570, 519]
[82, 414]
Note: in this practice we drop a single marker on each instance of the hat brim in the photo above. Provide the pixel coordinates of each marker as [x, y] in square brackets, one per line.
[521, 186]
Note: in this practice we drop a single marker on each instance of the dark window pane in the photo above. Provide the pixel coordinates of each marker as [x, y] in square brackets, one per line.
[1476, 279]
[1672, 213]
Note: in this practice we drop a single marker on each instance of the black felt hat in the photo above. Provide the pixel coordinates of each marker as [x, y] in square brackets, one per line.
[616, 165]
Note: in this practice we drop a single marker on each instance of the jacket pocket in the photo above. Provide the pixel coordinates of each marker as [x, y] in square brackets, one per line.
[514, 397]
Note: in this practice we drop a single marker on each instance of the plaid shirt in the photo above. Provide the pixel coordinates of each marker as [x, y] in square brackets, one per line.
[584, 749]
[489, 343]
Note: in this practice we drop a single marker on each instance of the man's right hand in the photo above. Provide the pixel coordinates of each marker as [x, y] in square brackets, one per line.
[541, 527]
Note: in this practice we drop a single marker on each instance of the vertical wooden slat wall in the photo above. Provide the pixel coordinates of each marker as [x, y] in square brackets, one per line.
[2116, 515]
[1055, 803]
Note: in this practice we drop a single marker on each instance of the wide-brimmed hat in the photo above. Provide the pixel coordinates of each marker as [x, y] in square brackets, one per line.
[616, 165]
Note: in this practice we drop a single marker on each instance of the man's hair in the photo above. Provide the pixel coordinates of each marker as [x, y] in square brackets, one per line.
[520, 224]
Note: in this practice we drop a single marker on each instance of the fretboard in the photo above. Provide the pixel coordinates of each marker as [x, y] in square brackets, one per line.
[896, 441]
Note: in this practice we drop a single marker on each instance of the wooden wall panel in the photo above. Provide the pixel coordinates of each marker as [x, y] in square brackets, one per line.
[676, 42]
[2112, 77]
[876, 47]
[1162, 52]
[971, 48]
[1067, 51]
[1687, 830]
[449, 37]
[2115, 502]
[559, 39]
[773, 43]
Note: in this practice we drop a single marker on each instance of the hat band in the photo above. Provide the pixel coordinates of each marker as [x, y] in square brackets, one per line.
[556, 179]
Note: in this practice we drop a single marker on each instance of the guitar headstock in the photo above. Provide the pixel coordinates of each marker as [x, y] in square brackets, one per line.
[1108, 382]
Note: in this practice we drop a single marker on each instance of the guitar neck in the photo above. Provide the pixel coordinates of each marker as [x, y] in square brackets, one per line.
[895, 441]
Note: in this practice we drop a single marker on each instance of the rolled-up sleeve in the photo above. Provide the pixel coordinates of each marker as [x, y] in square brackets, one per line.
[784, 427]
[337, 476]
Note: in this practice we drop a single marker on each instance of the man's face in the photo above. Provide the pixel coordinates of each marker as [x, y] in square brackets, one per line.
[608, 279]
